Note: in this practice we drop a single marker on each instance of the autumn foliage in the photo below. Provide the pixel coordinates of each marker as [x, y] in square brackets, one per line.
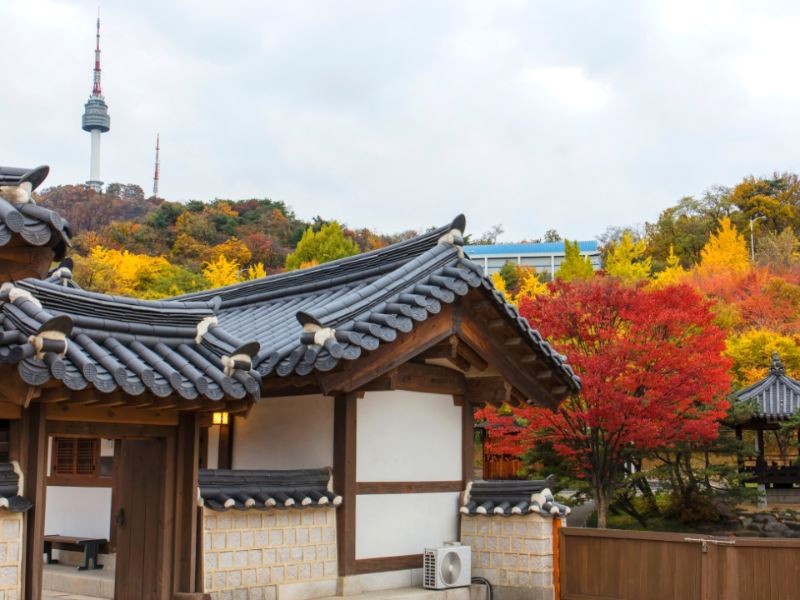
[652, 369]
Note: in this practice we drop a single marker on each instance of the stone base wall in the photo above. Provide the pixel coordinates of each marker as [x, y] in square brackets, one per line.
[10, 555]
[514, 553]
[270, 555]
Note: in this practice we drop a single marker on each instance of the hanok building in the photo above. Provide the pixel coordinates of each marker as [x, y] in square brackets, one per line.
[303, 435]
[774, 399]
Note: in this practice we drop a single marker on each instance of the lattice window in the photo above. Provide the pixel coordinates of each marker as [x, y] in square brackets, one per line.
[78, 457]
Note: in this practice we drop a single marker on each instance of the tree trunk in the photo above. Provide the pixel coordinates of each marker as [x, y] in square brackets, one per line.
[601, 506]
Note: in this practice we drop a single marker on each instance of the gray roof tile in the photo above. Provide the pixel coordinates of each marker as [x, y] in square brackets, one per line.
[777, 396]
[511, 497]
[20, 215]
[224, 489]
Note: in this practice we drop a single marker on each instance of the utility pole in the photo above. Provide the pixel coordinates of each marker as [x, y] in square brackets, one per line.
[752, 238]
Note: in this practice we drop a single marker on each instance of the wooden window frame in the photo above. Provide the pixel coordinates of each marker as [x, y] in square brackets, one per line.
[73, 480]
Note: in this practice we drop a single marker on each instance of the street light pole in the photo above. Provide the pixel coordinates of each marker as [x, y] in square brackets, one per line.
[752, 240]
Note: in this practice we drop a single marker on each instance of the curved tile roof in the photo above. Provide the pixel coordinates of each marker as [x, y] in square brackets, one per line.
[301, 321]
[511, 497]
[111, 342]
[10, 498]
[223, 489]
[314, 318]
[777, 396]
[20, 215]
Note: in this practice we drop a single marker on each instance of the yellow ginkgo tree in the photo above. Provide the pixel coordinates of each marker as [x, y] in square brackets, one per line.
[628, 260]
[725, 252]
[222, 271]
[673, 274]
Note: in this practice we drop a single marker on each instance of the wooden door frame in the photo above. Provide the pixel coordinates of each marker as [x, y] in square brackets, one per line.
[179, 568]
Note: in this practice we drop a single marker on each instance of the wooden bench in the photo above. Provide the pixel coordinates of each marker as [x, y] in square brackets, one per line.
[89, 546]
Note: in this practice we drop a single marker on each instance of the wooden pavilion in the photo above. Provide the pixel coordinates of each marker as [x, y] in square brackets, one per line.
[321, 375]
[775, 399]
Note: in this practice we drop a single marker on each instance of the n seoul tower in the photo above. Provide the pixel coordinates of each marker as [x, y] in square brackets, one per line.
[95, 119]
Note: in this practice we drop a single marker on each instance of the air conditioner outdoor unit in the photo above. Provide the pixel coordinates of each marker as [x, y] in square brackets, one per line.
[447, 567]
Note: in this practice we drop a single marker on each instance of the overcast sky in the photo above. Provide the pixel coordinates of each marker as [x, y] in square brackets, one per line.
[396, 115]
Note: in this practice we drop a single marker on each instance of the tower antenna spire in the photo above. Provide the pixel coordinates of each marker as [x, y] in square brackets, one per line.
[95, 117]
[157, 174]
[96, 89]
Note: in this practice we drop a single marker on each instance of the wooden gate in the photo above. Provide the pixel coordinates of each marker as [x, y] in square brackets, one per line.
[610, 564]
[141, 520]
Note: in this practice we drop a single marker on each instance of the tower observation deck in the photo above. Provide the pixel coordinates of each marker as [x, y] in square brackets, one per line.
[95, 119]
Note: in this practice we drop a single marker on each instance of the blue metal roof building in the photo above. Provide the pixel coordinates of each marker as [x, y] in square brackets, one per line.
[542, 256]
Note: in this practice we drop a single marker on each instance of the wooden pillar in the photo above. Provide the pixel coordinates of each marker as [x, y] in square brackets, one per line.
[225, 446]
[760, 442]
[556, 558]
[344, 474]
[187, 463]
[739, 456]
[467, 441]
[29, 448]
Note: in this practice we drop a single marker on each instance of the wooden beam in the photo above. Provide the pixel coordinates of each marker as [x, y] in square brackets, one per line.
[387, 563]
[13, 390]
[10, 411]
[107, 430]
[30, 449]
[54, 395]
[491, 390]
[390, 355]
[344, 473]
[432, 379]
[119, 414]
[472, 357]
[474, 333]
[530, 359]
[513, 342]
[186, 481]
[407, 487]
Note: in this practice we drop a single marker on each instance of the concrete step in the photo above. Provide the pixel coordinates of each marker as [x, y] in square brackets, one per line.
[67, 579]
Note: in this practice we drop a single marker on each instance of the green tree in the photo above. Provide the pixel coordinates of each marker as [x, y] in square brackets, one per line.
[511, 274]
[327, 244]
[776, 199]
[551, 235]
[574, 266]
[628, 260]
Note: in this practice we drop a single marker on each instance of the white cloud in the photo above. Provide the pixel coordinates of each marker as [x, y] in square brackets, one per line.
[569, 86]
[572, 115]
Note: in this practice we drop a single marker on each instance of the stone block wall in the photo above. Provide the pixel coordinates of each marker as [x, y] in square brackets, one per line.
[515, 553]
[10, 555]
[270, 555]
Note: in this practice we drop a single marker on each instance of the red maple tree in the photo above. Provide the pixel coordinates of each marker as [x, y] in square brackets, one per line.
[653, 376]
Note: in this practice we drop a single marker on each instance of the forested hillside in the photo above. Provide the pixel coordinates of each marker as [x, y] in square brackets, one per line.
[149, 247]
[155, 248]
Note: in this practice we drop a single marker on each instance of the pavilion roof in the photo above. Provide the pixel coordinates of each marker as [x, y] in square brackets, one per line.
[777, 396]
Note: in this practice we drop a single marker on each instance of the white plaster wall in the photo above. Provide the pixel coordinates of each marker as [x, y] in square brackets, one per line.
[79, 511]
[285, 433]
[408, 436]
[402, 524]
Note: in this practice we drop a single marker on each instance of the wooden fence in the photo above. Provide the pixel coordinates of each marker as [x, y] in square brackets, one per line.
[598, 564]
